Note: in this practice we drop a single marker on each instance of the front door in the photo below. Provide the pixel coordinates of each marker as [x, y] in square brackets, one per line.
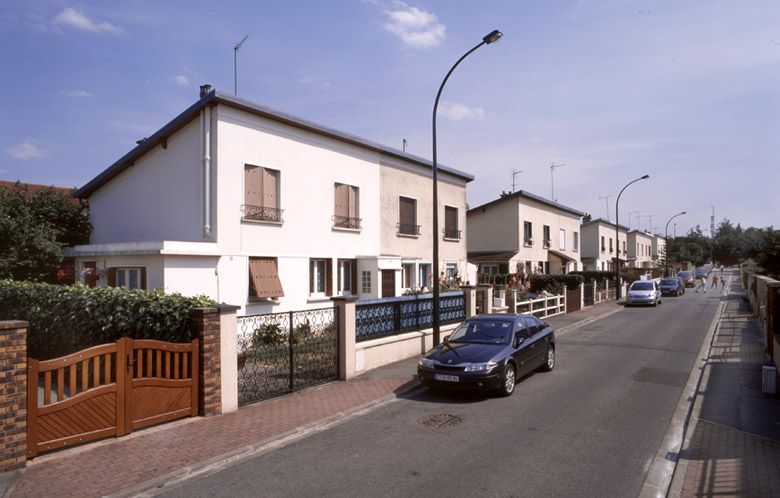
[388, 283]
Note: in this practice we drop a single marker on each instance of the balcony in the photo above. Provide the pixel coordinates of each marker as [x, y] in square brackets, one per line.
[451, 234]
[346, 222]
[408, 230]
[260, 213]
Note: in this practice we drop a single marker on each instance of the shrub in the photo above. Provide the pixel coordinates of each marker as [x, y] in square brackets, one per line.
[65, 319]
[269, 334]
[595, 274]
[554, 283]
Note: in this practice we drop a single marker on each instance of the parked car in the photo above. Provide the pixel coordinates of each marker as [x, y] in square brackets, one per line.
[489, 352]
[701, 272]
[687, 278]
[643, 292]
[671, 286]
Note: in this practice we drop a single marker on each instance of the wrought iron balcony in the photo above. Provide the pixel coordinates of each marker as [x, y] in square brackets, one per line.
[346, 222]
[406, 229]
[451, 233]
[260, 213]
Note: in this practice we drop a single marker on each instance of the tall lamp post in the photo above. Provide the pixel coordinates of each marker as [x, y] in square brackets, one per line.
[618, 288]
[666, 241]
[491, 37]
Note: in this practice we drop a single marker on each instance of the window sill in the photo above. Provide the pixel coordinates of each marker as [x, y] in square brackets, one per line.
[526, 244]
[262, 222]
[318, 299]
[408, 235]
[262, 300]
[350, 230]
[450, 239]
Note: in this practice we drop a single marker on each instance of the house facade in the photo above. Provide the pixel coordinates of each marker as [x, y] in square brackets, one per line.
[523, 232]
[658, 248]
[640, 249]
[264, 210]
[599, 247]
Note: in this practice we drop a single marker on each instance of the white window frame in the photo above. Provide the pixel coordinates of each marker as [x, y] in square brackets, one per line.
[562, 238]
[576, 247]
[346, 267]
[319, 273]
[365, 282]
[408, 274]
[123, 277]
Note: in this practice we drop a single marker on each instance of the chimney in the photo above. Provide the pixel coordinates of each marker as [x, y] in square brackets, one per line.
[204, 90]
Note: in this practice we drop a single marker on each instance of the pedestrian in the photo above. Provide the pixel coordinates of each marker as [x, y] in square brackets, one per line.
[714, 280]
[702, 284]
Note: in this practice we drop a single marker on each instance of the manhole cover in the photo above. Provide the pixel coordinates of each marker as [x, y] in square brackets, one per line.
[442, 420]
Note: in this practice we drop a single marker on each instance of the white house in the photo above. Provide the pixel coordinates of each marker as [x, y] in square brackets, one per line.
[640, 249]
[523, 232]
[257, 208]
[600, 247]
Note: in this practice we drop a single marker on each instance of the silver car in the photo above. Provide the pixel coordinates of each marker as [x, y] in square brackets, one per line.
[644, 292]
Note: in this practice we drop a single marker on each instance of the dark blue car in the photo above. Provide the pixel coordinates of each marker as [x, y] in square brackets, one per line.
[489, 352]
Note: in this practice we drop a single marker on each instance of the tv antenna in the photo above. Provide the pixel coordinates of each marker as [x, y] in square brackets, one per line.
[235, 63]
[515, 172]
[606, 202]
[552, 182]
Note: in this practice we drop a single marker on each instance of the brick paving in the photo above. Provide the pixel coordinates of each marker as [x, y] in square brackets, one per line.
[734, 445]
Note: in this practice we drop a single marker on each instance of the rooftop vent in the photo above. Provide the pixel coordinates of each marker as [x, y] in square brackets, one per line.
[205, 90]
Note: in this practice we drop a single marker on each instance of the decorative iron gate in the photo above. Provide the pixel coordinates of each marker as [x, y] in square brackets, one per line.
[283, 352]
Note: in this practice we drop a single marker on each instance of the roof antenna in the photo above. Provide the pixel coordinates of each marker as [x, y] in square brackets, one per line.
[515, 172]
[404, 144]
[235, 64]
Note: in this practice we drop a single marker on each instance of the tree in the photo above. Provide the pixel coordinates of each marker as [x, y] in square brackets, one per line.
[36, 225]
[766, 252]
[726, 243]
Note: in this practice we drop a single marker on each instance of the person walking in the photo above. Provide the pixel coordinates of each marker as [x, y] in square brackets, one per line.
[702, 284]
[714, 280]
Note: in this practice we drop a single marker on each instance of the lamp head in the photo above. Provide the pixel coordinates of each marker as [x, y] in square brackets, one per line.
[645, 177]
[684, 212]
[492, 37]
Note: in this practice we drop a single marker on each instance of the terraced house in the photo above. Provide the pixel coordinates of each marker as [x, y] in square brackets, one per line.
[257, 208]
[600, 246]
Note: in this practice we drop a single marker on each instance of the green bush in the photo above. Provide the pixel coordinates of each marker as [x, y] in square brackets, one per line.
[594, 275]
[554, 283]
[65, 319]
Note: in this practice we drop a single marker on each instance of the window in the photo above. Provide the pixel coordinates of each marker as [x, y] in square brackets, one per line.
[624, 247]
[451, 271]
[546, 236]
[488, 269]
[320, 277]
[347, 277]
[89, 270]
[576, 241]
[407, 275]
[528, 233]
[603, 248]
[562, 239]
[365, 282]
[131, 278]
[264, 280]
[407, 217]
[610, 244]
[261, 194]
[345, 208]
[425, 276]
[451, 231]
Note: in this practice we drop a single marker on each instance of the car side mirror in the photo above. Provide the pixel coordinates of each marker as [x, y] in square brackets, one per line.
[518, 340]
[446, 339]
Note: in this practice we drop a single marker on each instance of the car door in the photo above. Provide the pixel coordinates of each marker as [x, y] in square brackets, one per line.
[523, 353]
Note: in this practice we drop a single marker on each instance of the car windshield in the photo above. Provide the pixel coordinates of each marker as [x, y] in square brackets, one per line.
[669, 281]
[483, 332]
[642, 286]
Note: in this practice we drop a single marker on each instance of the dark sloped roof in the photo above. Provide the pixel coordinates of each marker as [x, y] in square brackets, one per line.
[491, 256]
[213, 98]
[601, 220]
[528, 195]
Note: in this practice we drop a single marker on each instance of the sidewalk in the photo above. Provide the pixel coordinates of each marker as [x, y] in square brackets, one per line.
[732, 443]
[151, 457]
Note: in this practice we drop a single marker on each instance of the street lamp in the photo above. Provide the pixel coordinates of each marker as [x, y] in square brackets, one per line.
[491, 37]
[617, 237]
[666, 241]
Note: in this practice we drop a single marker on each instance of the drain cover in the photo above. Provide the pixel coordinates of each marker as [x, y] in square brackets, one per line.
[442, 420]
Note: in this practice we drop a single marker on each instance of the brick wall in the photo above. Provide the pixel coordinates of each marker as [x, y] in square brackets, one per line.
[13, 394]
[206, 327]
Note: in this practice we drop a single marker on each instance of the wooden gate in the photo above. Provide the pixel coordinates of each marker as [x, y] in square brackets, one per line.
[109, 390]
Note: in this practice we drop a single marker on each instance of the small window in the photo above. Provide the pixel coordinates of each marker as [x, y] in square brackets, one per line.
[546, 236]
[345, 209]
[261, 194]
[89, 270]
[603, 247]
[131, 278]
[576, 241]
[347, 276]
[407, 217]
[528, 233]
[610, 244]
[488, 269]
[407, 275]
[320, 281]
[562, 239]
[365, 282]
[425, 276]
[451, 231]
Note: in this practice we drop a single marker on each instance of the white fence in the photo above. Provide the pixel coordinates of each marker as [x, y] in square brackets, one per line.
[543, 306]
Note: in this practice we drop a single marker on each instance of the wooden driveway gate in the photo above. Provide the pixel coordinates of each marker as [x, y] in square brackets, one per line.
[109, 390]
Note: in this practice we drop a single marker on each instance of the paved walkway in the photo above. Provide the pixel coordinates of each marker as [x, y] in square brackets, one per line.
[142, 460]
[732, 444]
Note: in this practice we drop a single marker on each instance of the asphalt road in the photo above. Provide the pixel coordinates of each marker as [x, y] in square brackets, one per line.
[589, 428]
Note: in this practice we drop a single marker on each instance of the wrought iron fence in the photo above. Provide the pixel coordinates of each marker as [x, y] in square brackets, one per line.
[407, 229]
[261, 213]
[451, 233]
[346, 222]
[384, 317]
[284, 352]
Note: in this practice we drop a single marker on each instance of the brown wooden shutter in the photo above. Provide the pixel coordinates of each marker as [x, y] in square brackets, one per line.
[143, 278]
[264, 275]
[252, 186]
[341, 203]
[450, 219]
[406, 211]
[311, 276]
[352, 193]
[112, 277]
[270, 184]
[353, 263]
[329, 277]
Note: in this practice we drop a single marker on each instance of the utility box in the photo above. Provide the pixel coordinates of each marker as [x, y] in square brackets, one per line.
[769, 380]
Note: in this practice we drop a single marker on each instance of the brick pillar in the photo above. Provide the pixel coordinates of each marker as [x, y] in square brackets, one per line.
[487, 293]
[13, 395]
[205, 326]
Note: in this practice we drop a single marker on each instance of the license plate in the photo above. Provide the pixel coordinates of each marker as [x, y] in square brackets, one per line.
[446, 378]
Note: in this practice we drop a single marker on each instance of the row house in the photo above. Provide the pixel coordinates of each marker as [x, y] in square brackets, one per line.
[254, 207]
[600, 246]
[640, 249]
[523, 232]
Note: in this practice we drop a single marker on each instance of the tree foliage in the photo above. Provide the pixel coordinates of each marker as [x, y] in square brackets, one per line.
[36, 225]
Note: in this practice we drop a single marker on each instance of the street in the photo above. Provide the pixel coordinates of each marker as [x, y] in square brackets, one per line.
[589, 428]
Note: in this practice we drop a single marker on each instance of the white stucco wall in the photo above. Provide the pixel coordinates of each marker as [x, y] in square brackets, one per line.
[495, 228]
[591, 239]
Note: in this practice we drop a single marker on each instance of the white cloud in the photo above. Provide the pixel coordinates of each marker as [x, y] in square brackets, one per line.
[415, 27]
[182, 79]
[25, 151]
[458, 112]
[77, 94]
[75, 19]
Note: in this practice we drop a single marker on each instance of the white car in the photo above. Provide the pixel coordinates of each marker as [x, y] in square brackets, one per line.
[644, 292]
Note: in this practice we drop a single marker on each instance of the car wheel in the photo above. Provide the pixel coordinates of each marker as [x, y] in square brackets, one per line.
[508, 380]
[549, 364]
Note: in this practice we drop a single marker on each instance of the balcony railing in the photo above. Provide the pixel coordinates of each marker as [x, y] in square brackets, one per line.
[451, 233]
[346, 222]
[260, 213]
[406, 229]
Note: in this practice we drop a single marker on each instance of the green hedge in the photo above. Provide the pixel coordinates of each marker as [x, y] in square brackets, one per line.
[594, 275]
[554, 283]
[66, 319]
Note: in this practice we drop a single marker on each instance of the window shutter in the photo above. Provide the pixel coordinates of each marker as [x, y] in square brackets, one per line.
[252, 186]
[264, 276]
[270, 186]
[352, 193]
[112, 277]
[353, 263]
[329, 277]
[143, 278]
[341, 200]
[406, 208]
[450, 218]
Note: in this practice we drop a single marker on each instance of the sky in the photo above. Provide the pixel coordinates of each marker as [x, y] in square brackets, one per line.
[687, 92]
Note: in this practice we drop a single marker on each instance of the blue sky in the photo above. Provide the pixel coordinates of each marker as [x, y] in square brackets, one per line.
[687, 92]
